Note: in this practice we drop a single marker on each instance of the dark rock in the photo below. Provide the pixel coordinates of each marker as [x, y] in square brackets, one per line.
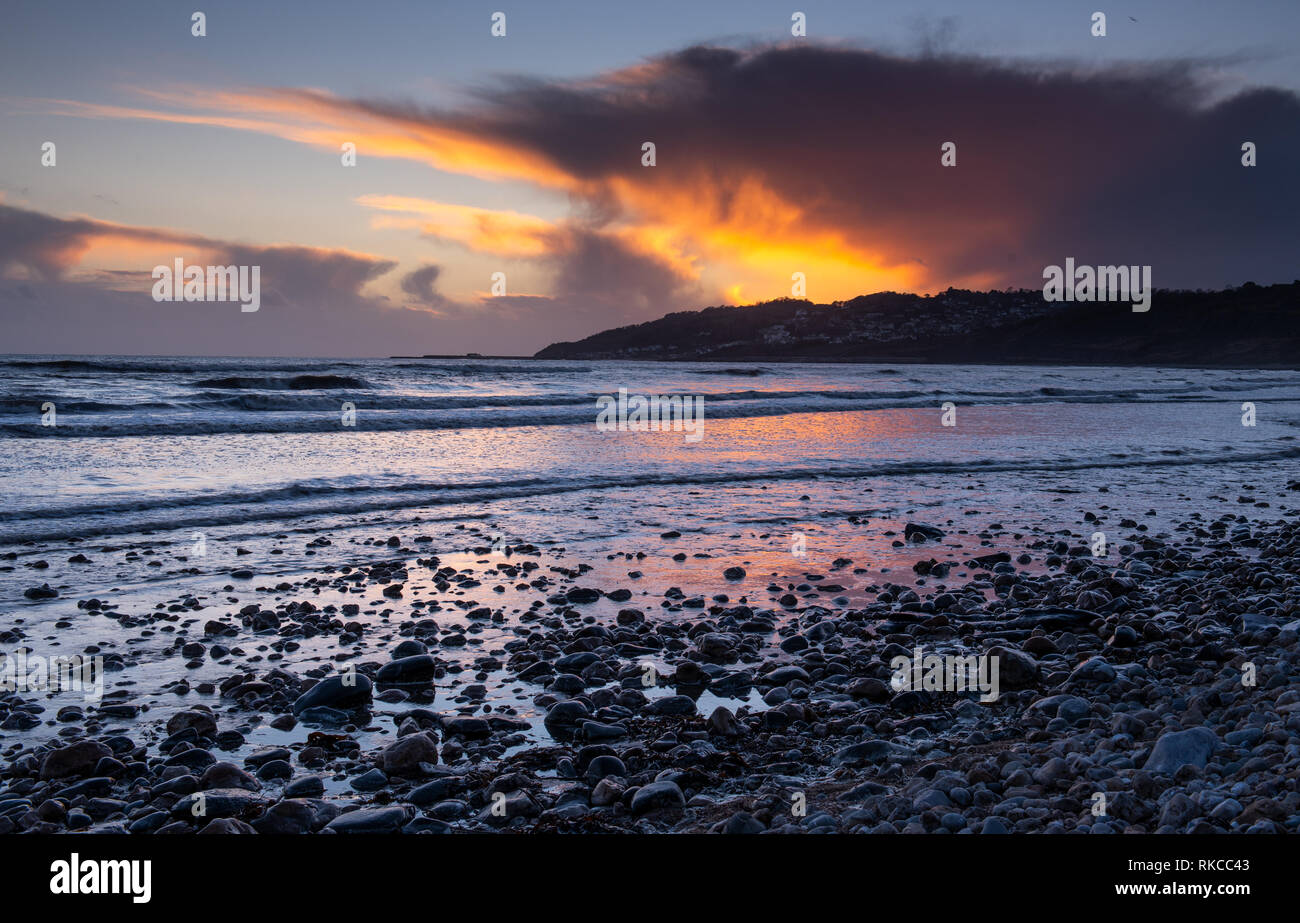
[306, 787]
[405, 755]
[227, 775]
[741, 823]
[275, 770]
[334, 692]
[567, 714]
[467, 726]
[658, 796]
[1016, 669]
[73, 759]
[371, 781]
[672, 705]
[414, 669]
[605, 765]
[1093, 670]
[370, 820]
[1176, 749]
[218, 802]
[867, 751]
[223, 826]
[919, 531]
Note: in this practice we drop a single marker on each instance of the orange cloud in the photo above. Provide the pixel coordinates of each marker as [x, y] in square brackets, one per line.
[321, 119]
[760, 237]
[504, 233]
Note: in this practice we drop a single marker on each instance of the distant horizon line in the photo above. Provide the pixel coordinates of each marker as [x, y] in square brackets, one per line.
[534, 357]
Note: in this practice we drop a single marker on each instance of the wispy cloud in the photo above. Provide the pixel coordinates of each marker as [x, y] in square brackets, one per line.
[502, 233]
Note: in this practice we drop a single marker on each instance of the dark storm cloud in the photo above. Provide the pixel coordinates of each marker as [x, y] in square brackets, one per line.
[1139, 163]
[421, 284]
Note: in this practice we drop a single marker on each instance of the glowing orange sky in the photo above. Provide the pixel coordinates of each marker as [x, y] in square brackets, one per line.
[744, 252]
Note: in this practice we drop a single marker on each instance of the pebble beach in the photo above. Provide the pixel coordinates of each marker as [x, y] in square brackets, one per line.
[709, 657]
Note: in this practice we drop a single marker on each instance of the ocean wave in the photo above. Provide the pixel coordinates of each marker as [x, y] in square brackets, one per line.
[295, 383]
[315, 499]
[31, 403]
[283, 413]
[308, 402]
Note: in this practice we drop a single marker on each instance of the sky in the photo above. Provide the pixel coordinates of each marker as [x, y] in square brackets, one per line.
[522, 155]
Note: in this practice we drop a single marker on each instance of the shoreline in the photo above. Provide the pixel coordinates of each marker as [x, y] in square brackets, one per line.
[768, 710]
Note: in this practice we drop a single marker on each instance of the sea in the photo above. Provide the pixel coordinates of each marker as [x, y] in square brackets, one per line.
[151, 481]
[154, 444]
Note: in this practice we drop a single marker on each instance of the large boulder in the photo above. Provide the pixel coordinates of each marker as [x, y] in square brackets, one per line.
[336, 692]
[658, 796]
[405, 755]
[500, 811]
[417, 668]
[296, 815]
[867, 751]
[219, 802]
[225, 826]
[919, 532]
[370, 820]
[1176, 749]
[1016, 669]
[203, 722]
[74, 759]
[672, 705]
[228, 775]
[718, 645]
[1093, 670]
[567, 715]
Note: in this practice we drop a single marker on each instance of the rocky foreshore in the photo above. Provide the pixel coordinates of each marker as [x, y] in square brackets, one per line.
[1151, 690]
